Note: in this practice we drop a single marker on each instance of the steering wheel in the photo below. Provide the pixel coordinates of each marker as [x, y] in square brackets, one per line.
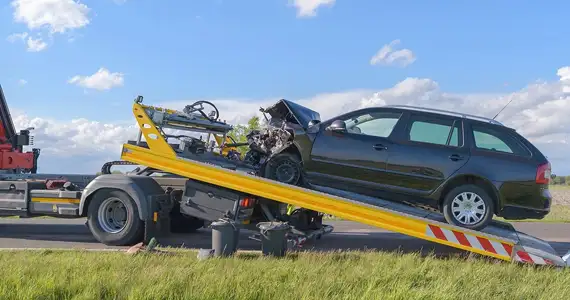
[199, 107]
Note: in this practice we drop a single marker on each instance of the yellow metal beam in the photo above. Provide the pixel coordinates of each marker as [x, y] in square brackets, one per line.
[225, 149]
[375, 216]
[152, 135]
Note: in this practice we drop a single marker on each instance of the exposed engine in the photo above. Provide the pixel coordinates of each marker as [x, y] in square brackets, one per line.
[268, 141]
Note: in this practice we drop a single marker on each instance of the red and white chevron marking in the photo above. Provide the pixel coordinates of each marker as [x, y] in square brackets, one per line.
[469, 240]
[525, 257]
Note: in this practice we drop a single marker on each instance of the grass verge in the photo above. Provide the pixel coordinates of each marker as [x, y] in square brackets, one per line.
[340, 275]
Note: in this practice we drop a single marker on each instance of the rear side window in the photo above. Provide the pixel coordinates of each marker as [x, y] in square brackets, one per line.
[444, 132]
[498, 141]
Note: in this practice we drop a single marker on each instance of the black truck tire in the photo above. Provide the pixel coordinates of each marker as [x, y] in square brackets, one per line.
[133, 230]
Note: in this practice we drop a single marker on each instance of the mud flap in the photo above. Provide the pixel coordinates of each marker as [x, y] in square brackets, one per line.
[157, 225]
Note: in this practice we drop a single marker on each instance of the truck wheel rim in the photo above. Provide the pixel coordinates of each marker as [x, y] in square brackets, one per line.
[468, 208]
[112, 215]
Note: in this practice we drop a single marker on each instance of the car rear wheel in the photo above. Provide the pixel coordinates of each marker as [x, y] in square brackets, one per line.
[468, 206]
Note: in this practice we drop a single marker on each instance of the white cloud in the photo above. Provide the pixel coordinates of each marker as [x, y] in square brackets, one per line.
[387, 55]
[58, 16]
[22, 82]
[33, 45]
[101, 80]
[17, 36]
[564, 73]
[308, 8]
[36, 45]
[539, 112]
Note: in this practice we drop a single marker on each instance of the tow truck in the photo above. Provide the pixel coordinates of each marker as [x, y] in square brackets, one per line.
[181, 187]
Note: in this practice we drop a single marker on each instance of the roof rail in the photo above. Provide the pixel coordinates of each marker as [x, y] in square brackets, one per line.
[447, 112]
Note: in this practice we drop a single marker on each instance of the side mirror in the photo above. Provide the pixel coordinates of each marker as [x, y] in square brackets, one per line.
[553, 176]
[313, 122]
[337, 126]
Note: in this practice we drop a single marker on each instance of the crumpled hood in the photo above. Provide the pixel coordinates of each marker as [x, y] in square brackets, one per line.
[292, 112]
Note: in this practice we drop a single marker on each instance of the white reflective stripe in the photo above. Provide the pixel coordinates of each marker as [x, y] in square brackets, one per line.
[449, 235]
[474, 242]
[429, 232]
[537, 259]
[499, 248]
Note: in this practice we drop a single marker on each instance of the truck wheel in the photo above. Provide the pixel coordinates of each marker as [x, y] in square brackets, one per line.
[285, 168]
[113, 218]
[468, 206]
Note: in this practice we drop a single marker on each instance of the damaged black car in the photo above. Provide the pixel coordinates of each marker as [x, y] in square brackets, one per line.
[467, 167]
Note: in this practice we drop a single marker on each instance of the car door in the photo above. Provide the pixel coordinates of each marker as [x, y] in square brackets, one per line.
[354, 159]
[429, 150]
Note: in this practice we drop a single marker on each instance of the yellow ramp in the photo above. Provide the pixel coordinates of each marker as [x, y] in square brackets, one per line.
[375, 216]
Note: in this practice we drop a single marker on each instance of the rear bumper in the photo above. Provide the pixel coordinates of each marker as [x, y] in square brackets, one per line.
[522, 213]
[537, 206]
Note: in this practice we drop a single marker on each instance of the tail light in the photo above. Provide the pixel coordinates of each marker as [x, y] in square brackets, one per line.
[247, 202]
[543, 173]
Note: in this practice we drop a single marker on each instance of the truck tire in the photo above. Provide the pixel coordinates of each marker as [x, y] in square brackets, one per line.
[113, 218]
[468, 206]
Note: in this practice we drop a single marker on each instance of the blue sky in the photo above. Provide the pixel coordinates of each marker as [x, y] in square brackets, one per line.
[170, 51]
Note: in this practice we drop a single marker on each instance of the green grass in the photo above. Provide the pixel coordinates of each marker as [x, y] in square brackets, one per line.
[348, 275]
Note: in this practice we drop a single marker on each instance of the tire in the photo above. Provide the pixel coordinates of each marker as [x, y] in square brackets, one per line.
[180, 223]
[133, 230]
[479, 199]
[285, 168]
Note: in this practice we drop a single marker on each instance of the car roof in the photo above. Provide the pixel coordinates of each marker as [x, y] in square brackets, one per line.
[446, 113]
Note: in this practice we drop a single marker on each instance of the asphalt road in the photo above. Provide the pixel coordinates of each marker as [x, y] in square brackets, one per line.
[64, 233]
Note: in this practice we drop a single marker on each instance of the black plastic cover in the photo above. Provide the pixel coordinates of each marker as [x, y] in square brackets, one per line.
[209, 202]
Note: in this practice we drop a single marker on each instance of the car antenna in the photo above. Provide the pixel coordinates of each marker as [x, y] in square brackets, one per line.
[503, 108]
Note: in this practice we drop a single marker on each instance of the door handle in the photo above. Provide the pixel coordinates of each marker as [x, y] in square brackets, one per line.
[455, 157]
[380, 147]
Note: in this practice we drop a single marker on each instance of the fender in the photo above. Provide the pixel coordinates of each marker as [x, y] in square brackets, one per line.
[492, 185]
[139, 188]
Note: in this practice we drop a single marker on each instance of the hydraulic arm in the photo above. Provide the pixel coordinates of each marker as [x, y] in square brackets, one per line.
[13, 159]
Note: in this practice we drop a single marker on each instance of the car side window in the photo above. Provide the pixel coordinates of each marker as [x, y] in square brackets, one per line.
[444, 132]
[493, 140]
[380, 124]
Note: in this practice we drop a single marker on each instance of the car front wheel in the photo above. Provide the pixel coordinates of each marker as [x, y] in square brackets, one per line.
[468, 206]
[285, 168]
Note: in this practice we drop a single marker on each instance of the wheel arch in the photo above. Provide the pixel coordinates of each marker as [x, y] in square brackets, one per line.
[293, 149]
[462, 179]
[136, 187]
